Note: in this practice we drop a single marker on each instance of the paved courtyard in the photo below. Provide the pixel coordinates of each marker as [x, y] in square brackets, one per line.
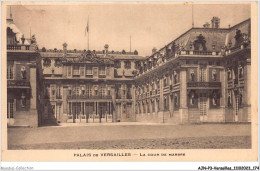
[131, 136]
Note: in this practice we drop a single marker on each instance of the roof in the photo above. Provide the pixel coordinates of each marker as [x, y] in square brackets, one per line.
[218, 37]
[74, 55]
[15, 29]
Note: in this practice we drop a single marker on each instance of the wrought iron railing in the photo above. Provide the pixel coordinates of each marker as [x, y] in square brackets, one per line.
[89, 97]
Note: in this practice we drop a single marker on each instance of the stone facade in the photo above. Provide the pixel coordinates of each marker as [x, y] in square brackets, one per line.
[23, 78]
[89, 86]
[202, 76]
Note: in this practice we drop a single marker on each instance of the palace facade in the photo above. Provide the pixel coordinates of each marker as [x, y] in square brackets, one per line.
[24, 79]
[89, 86]
[202, 76]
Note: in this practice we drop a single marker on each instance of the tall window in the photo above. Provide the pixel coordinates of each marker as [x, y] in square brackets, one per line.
[88, 90]
[53, 91]
[229, 74]
[148, 107]
[175, 77]
[108, 71]
[102, 91]
[82, 71]
[58, 94]
[102, 70]
[229, 100]
[240, 72]
[166, 103]
[69, 71]
[10, 71]
[89, 70]
[153, 106]
[10, 109]
[192, 75]
[76, 91]
[75, 70]
[165, 82]
[176, 101]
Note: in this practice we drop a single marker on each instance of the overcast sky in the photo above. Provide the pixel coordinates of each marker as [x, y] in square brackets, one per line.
[149, 25]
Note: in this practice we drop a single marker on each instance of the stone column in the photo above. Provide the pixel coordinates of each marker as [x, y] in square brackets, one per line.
[247, 90]
[113, 104]
[133, 117]
[223, 81]
[183, 97]
[161, 94]
[33, 114]
[33, 88]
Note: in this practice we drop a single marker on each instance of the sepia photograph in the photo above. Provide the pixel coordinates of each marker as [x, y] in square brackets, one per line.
[129, 76]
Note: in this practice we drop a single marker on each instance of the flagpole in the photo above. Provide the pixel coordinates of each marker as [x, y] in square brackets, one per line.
[88, 32]
[130, 43]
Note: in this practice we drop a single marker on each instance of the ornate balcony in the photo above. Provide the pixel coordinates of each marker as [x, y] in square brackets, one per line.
[18, 47]
[18, 84]
[88, 97]
[203, 85]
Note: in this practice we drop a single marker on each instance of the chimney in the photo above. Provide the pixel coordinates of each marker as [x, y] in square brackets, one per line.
[206, 25]
[154, 50]
[215, 22]
[106, 49]
[65, 48]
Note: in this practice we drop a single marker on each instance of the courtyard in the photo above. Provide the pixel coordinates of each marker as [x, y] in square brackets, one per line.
[131, 136]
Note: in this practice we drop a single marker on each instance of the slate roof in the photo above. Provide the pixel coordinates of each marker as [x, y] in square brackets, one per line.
[214, 36]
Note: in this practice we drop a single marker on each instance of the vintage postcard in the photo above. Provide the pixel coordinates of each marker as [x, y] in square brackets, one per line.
[129, 81]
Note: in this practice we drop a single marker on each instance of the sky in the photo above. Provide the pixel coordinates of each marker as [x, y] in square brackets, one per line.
[149, 25]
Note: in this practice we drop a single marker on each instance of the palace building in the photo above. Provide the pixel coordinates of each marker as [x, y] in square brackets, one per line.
[201, 76]
[24, 79]
[89, 86]
[204, 75]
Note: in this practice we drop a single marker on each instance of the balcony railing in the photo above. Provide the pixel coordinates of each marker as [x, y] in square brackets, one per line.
[18, 83]
[18, 47]
[204, 84]
[88, 97]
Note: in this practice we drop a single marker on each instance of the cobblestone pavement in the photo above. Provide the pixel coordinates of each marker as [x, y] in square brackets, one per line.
[237, 142]
[131, 136]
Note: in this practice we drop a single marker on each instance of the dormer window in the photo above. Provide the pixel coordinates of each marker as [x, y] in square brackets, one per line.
[75, 70]
[127, 64]
[102, 70]
[117, 64]
[89, 70]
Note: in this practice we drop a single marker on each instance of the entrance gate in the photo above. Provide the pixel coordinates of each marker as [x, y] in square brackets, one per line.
[90, 112]
[203, 107]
